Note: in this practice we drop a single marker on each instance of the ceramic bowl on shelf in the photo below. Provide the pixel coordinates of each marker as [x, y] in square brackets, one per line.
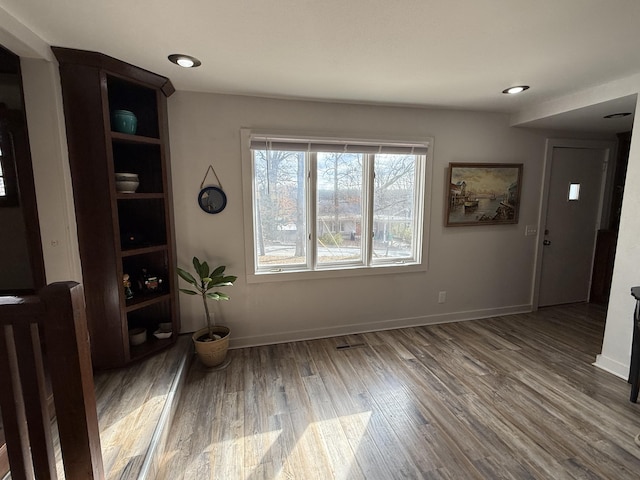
[127, 182]
[137, 336]
[161, 334]
[165, 329]
[124, 121]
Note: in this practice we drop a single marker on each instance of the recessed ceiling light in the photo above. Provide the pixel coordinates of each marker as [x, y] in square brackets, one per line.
[514, 90]
[185, 61]
[617, 115]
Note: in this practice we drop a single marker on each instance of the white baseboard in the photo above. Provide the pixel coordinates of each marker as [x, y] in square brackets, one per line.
[315, 333]
[612, 366]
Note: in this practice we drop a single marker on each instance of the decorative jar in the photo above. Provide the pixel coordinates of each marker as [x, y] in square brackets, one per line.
[127, 182]
[124, 121]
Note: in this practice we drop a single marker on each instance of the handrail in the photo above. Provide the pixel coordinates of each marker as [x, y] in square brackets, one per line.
[56, 319]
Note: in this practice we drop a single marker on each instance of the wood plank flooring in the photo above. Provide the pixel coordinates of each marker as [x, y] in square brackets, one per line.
[132, 404]
[512, 397]
[130, 401]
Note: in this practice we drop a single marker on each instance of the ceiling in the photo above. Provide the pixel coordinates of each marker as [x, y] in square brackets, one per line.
[456, 54]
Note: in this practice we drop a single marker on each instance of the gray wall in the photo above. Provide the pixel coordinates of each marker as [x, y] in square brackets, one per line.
[485, 270]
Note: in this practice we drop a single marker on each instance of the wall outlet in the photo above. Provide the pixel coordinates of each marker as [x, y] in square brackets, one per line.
[442, 297]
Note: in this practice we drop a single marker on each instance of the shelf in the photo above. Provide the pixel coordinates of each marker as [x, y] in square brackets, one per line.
[152, 345]
[139, 196]
[127, 138]
[120, 233]
[142, 250]
[142, 301]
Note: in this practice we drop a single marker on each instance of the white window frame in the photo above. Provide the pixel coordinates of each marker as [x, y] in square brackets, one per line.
[422, 213]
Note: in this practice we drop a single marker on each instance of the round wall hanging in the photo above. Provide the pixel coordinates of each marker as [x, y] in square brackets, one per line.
[212, 199]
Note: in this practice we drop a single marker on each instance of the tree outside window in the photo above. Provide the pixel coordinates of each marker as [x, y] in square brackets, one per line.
[336, 205]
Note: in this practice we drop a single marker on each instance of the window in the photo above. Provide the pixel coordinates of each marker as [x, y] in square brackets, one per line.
[3, 188]
[574, 192]
[326, 205]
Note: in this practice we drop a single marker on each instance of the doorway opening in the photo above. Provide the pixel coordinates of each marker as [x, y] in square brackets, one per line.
[20, 242]
[607, 238]
[577, 205]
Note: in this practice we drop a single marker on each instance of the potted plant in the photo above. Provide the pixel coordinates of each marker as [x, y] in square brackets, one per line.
[211, 342]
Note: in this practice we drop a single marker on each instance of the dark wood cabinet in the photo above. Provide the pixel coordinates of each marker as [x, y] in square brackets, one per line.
[121, 233]
[603, 261]
[607, 239]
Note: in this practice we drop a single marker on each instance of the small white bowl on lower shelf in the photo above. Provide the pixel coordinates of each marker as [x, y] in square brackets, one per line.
[161, 334]
[137, 336]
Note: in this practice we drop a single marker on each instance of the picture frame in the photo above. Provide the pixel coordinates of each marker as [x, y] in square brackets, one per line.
[483, 194]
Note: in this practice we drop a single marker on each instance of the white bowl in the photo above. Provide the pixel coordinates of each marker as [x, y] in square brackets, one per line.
[126, 176]
[137, 336]
[161, 334]
[126, 182]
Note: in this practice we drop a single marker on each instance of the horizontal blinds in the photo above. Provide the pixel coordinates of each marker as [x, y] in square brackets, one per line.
[303, 145]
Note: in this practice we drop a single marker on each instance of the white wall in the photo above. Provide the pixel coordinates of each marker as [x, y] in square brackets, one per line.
[485, 270]
[616, 347]
[54, 194]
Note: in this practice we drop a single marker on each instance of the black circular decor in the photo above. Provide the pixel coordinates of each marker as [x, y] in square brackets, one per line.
[212, 199]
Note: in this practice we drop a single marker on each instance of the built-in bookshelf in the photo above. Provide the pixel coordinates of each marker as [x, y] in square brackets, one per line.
[121, 233]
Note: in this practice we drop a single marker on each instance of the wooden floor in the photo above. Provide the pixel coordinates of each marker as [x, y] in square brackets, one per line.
[132, 405]
[509, 397]
[130, 402]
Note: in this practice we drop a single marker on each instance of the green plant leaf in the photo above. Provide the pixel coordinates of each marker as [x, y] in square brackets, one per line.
[188, 292]
[207, 280]
[204, 269]
[218, 271]
[198, 267]
[186, 276]
[206, 284]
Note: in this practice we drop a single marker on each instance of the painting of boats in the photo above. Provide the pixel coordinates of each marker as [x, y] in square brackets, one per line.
[483, 193]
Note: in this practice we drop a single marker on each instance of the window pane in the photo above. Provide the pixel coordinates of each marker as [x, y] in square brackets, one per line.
[279, 212]
[3, 190]
[393, 207]
[339, 208]
[574, 191]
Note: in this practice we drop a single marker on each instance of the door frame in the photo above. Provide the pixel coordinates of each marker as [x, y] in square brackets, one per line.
[609, 148]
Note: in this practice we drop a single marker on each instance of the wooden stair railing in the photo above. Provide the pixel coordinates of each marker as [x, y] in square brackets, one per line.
[55, 317]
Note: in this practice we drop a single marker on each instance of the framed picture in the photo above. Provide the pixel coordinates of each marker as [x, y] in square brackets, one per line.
[483, 193]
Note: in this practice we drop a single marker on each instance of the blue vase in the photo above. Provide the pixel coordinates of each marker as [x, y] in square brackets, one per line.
[124, 121]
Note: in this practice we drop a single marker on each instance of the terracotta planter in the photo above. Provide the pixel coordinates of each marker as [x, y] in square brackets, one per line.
[213, 353]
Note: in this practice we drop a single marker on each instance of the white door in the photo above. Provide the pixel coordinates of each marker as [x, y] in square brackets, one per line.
[571, 224]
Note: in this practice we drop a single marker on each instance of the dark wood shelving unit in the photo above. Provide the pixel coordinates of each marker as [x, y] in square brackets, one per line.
[120, 233]
[142, 301]
[128, 138]
[143, 250]
[138, 196]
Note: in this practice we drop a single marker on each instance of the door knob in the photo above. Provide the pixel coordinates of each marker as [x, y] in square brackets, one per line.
[546, 242]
